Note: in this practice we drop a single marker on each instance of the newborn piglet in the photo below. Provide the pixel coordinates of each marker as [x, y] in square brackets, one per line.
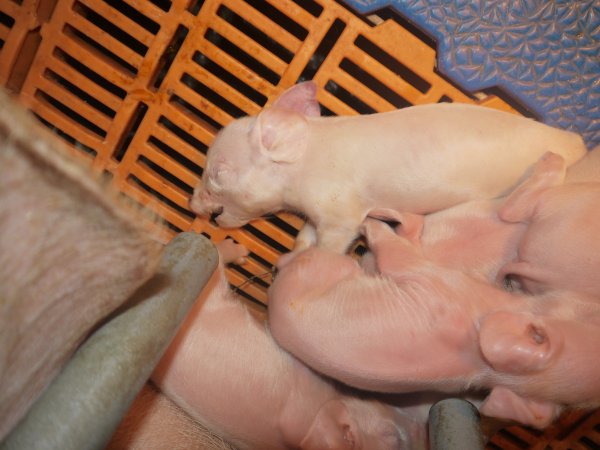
[336, 170]
[226, 372]
[416, 325]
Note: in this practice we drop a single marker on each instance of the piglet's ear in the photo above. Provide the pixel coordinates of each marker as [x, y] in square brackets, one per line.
[300, 98]
[279, 131]
[410, 225]
[503, 403]
[280, 135]
[517, 343]
[520, 205]
[333, 428]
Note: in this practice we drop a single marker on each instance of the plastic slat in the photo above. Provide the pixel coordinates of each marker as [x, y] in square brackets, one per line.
[172, 167]
[254, 49]
[95, 61]
[10, 8]
[293, 11]
[150, 202]
[183, 148]
[23, 19]
[166, 188]
[185, 122]
[104, 39]
[66, 124]
[121, 21]
[370, 64]
[203, 104]
[225, 90]
[366, 95]
[67, 72]
[236, 68]
[264, 24]
[148, 9]
[335, 105]
[76, 104]
[4, 31]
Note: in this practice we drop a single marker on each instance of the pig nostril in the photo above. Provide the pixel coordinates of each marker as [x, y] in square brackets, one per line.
[216, 213]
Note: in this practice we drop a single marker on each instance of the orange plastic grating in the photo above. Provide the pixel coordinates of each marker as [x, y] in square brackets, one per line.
[138, 89]
[17, 20]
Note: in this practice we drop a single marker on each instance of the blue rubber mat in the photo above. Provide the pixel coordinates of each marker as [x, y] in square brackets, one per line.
[543, 53]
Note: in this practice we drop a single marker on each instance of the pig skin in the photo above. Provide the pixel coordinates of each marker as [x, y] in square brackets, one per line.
[70, 253]
[540, 238]
[225, 371]
[559, 248]
[472, 236]
[335, 170]
[422, 326]
[155, 422]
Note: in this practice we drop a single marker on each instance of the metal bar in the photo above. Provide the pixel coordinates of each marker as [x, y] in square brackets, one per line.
[454, 424]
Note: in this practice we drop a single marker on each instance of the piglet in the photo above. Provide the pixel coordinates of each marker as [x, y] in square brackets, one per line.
[335, 170]
[226, 372]
[417, 325]
[541, 237]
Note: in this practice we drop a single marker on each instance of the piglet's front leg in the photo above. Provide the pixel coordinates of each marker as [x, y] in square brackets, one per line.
[306, 238]
[333, 227]
[335, 237]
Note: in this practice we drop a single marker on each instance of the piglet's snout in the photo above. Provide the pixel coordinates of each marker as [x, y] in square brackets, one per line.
[203, 205]
[215, 215]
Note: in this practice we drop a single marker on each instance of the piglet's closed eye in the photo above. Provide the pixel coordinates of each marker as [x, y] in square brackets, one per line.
[516, 343]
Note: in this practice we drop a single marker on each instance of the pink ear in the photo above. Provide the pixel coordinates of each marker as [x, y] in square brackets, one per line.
[516, 343]
[300, 98]
[279, 131]
[279, 135]
[505, 404]
[520, 205]
[411, 225]
[333, 428]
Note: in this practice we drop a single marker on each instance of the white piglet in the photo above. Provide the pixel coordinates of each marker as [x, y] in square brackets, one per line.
[338, 170]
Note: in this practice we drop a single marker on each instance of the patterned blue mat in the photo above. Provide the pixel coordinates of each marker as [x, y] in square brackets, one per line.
[543, 53]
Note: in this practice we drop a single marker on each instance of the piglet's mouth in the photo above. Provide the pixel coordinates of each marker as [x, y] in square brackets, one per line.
[202, 206]
[214, 215]
[226, 220]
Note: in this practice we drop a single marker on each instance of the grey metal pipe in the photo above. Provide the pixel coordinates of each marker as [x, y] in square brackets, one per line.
[83, 406]
[454, 424]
